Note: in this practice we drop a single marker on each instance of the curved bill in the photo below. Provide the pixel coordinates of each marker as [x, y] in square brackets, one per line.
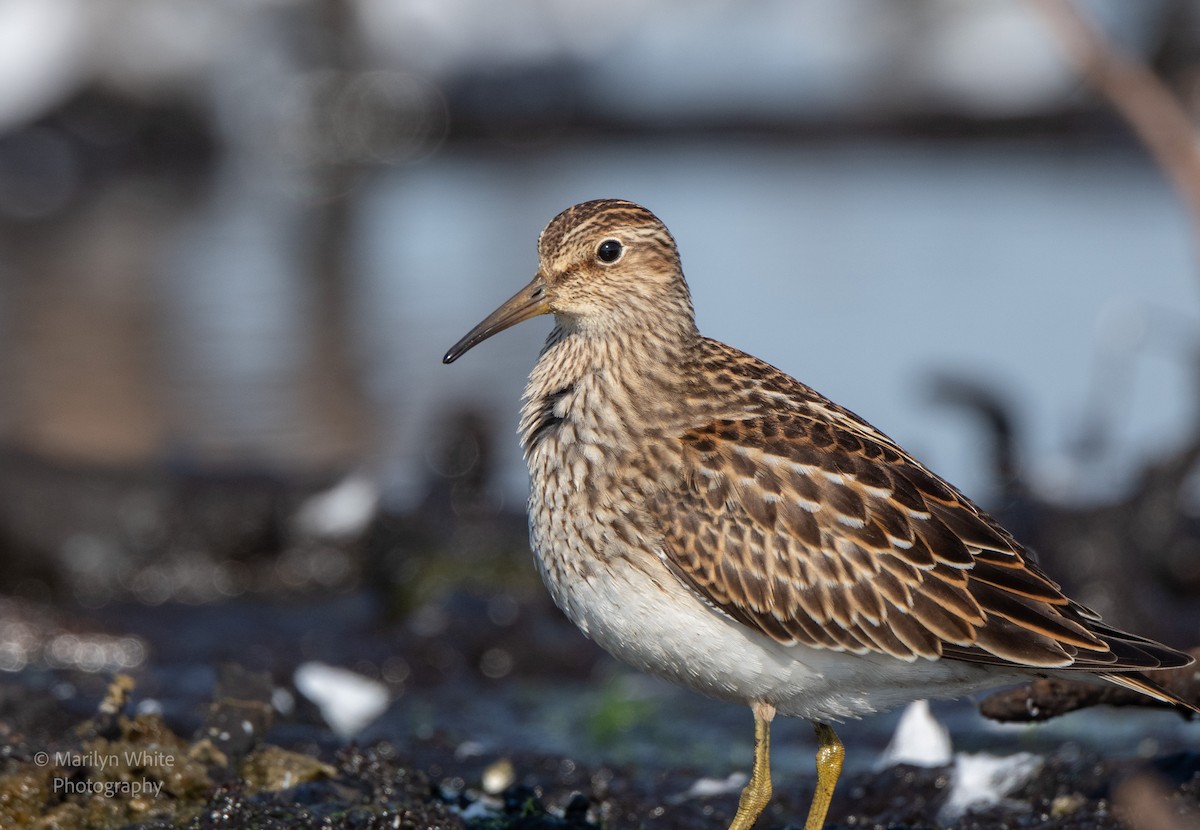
[529, 302]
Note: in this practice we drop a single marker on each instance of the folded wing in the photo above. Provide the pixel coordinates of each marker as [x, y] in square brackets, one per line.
[810, 526]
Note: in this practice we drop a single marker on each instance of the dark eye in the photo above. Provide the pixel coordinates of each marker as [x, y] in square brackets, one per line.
[610, 250]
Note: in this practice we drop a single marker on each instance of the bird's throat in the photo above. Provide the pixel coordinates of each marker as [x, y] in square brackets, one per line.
[601, 390]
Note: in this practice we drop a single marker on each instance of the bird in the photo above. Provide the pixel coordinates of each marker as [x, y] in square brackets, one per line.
[707, 518]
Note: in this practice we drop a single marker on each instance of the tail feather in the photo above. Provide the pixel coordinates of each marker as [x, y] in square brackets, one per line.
[1137, 652]
[1142, 684]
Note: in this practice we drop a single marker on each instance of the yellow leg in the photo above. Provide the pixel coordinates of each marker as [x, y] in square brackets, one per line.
[829, 766]
[758, 791]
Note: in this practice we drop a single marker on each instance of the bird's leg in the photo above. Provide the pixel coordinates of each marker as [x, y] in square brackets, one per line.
[757, 792]
[829, 766]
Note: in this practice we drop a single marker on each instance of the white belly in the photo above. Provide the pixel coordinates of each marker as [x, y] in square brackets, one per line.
[657, 624]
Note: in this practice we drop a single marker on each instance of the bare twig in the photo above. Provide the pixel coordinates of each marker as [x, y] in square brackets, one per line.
[1137, 94]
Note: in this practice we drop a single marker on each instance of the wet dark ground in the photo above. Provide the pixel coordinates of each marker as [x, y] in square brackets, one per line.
[564, 738]
[540, 749]
[500, 714]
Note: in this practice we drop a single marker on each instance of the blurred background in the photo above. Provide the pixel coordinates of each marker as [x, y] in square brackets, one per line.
[237, 237]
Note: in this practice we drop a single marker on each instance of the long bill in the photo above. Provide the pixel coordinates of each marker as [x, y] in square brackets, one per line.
[529, 302]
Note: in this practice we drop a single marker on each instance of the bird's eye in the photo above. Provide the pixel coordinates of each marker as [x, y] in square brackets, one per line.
[610, 251]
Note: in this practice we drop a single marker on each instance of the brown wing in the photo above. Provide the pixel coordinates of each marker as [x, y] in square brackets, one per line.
[812, 527]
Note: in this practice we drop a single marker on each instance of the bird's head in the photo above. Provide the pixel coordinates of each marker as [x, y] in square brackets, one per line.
[600, 264]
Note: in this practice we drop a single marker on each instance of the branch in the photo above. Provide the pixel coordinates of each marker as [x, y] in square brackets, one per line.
[1137, 94]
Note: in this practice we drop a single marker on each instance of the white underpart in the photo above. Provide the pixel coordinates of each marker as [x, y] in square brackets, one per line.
[662, 627]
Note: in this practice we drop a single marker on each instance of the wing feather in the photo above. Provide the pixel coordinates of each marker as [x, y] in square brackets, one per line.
[812, 527]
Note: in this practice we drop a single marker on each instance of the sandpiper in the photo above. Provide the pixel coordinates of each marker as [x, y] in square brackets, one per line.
[707, 518]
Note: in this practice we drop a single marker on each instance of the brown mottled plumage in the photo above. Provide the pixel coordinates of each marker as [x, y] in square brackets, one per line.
[706, 517]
